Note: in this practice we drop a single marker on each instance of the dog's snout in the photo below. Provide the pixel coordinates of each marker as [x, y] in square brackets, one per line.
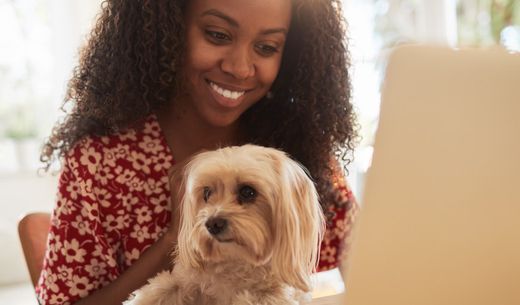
[216, 225]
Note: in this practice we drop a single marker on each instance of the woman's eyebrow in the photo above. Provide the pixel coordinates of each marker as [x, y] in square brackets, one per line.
[234, 23]
[219, 14]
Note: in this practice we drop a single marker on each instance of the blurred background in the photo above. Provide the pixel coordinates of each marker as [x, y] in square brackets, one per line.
[39, 41]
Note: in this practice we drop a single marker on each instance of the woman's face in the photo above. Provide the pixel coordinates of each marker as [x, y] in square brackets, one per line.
[234, 51]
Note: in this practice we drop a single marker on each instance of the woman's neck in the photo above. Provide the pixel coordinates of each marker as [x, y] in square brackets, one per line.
[187, 133]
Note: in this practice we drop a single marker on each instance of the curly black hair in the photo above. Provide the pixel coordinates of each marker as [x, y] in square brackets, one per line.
[130, 68]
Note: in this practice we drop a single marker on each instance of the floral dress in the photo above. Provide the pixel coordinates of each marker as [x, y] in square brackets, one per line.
[113, 203]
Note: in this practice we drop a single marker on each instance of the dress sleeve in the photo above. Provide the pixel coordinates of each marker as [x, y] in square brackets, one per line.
[78, 258]
[340, 215]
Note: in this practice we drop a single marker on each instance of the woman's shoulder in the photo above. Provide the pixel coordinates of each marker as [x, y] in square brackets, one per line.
[143, 130]
[142, 143]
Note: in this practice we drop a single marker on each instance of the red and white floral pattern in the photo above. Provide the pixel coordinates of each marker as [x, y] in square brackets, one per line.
[112, 204]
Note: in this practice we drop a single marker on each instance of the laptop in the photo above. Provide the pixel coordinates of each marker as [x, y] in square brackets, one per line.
[440, 219]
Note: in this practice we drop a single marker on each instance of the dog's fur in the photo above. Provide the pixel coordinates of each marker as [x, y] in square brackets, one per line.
[269, 246]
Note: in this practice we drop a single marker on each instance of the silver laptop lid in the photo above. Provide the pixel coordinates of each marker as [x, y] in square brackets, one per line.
[440, 223]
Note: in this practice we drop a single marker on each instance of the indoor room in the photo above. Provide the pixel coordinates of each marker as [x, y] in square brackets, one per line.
[40, 41]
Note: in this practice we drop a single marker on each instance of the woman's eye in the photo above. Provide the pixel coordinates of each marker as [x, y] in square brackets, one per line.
[217, 36]
[266, 50]
[246, 194]
[206, 193]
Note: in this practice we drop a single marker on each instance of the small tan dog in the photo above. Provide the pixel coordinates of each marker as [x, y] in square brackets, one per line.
[250, 232]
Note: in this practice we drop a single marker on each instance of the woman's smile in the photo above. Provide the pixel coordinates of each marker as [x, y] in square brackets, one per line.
[227, 96]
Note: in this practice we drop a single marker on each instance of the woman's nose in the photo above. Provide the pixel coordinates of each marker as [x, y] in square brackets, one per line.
[238, 63]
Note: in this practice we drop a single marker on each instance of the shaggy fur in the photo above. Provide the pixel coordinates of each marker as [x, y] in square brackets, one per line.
[266, 242]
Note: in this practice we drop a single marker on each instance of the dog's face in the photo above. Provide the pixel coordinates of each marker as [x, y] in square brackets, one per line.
[254, 205]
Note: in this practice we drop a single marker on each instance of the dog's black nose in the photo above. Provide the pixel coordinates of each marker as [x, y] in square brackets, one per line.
[216, 225]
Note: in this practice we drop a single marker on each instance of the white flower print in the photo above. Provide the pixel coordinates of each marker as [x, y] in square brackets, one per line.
[109, 158]
[123, 176]
[72, 251]
[140, 233]
[105, 140]
[160, 204]
[79, 286]
[127, 200]
[42, 296]
[152, 128]
[65, 273]
[96, 268]
[135, 178]
[111, 262]
[90, 210]
[165, 181]
[135, 185]
[57, 298]
[104, 175]
[140, 162]
[156, 232]
[143, 214]
[103, 197]
[328, 236]
[90, 158]
[98, 251]
[65, 207]
[328, 254]
[55, 247]
[152, 187]
[112, 223]
[86, 189]
[131, 256]
[73, 189]
[72, 164]
[150, 145]
[128, 135]
[341, 228]
[161, 161]
[80, 224]
[50, 282]
[121, 151]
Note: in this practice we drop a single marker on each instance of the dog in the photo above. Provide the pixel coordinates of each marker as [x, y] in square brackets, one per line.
[250, 232]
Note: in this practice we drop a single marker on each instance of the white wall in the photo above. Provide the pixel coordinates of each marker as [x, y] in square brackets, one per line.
[22, 191]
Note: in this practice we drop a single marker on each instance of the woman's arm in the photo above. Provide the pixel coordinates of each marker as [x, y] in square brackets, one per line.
[342, 214]
[149, 264]
[155, 259]
[96, 248]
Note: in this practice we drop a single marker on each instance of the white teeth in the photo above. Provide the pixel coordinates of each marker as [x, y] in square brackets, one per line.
[226, 93]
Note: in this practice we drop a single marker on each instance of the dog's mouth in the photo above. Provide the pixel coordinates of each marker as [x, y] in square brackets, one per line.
[223, 240]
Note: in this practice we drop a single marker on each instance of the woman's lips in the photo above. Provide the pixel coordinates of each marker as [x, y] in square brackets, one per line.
[225, 96]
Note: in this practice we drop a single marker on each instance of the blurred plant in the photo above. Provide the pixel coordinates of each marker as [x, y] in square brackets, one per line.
[483, 22]
[395, 21]
[503, 14]
[19, 123]
[24, 76]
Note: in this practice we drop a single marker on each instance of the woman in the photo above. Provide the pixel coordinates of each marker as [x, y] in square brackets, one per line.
[159, 81]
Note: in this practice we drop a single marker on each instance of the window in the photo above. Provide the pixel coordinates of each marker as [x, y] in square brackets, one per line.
[376, 26]
[38, 45]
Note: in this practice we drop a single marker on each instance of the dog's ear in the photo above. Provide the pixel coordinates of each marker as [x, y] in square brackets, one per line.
[299, 224]
[182, 192]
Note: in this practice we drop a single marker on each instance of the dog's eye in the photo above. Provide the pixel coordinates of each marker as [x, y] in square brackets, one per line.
[206, 193]
[246, 194]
